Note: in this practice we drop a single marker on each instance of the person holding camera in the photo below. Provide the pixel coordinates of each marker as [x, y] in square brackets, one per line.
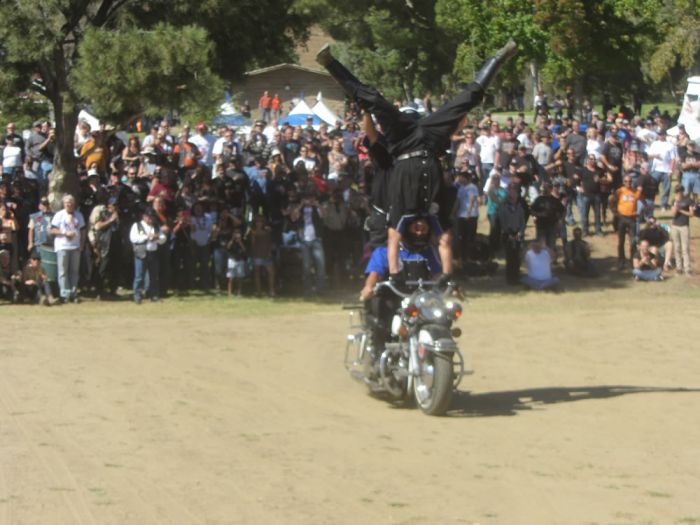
[68, 229]
[145, 237]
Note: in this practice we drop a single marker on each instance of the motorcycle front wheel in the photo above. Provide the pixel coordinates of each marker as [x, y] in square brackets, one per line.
[432, 386]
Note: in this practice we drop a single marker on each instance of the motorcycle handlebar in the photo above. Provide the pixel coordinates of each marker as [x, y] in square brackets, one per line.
[451, 287]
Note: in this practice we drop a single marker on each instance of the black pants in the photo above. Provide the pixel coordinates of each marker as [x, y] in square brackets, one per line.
[625, 226]
[416, 182]
[467, 235]
[512, 249]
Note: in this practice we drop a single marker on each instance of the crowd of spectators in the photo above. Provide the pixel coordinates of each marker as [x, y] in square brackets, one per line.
[260, 211]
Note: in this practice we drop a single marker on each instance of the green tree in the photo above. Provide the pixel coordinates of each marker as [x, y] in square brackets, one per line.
[393, 44]
[132, 56]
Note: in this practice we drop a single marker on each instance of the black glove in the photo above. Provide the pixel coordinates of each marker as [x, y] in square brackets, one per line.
[397, 279]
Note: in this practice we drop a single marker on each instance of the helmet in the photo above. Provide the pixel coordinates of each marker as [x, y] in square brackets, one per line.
[416, 234]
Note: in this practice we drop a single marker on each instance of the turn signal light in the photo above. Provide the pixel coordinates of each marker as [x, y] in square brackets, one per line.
[411, 310]
[456, 332]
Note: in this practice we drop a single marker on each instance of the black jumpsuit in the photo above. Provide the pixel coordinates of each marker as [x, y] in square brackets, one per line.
[416, 182]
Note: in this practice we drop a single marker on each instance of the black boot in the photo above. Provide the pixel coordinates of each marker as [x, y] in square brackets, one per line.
[324, 56]
[493, 64]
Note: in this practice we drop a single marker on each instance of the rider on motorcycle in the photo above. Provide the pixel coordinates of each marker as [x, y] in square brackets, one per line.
[417, 260]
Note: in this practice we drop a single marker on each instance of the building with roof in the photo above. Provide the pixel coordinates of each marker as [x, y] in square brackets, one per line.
[290, 82]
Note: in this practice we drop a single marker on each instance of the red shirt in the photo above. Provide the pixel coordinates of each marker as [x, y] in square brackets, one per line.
[276, 103]
[265, 101]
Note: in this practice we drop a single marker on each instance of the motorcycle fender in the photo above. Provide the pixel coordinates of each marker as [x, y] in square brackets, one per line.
[437, 338]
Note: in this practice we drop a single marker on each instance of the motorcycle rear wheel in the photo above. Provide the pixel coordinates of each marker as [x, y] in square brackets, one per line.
[432, 387]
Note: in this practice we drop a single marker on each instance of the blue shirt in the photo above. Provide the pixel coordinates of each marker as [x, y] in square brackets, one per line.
[379, 262]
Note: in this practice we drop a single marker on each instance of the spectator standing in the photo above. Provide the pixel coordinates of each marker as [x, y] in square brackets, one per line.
[681, 211]
[261, 246]
[691, 171]
[548, 212]
[205, 144]
[202, 225]
[467, 214]
[68, 229]
[145, 237]
[490, 145]
[32, 146]
[512, 219]
[104, 238]
[265, 106]
[626, 211]
[276, 106]
[237, 262]
[496, 196]
[664, 158]
[589, 196]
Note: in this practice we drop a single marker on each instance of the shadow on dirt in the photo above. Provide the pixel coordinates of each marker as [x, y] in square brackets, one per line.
[509, 403]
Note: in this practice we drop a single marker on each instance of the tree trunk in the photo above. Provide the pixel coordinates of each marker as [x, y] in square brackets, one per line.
[64, 177]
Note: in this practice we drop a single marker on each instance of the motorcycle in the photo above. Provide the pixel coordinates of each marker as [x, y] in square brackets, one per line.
[418, 358]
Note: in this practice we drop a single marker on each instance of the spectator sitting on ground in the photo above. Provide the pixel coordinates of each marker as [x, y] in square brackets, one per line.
[578, 256]
[33, 283]
[539, 267]
[659, 241]
[645, 265]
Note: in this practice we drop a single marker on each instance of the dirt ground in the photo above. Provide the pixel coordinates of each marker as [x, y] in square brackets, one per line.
[172, 414]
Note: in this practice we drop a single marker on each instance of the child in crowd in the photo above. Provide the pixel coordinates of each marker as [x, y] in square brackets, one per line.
[261, 252]
[237, 258]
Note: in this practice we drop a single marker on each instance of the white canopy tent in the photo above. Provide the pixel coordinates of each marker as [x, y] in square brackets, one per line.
[323, 112]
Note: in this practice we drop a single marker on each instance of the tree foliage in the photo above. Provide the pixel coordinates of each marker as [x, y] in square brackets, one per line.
[133, 56]
[395, 44]
[148, 71]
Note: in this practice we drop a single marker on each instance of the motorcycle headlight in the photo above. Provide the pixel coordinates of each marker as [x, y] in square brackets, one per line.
[431, 307]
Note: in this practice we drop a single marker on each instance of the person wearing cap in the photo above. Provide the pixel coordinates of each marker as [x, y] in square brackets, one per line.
[32, 153]
[33, 283]
[39, 224]
[103, 236]
[664, 158]
[417, 181]
[68, 230]
[145, 237]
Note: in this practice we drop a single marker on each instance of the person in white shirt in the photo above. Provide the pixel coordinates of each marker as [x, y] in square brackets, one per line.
[490, 145]
[145, 237]
[309, 162]
[11, 156]
[664, 158]
[68, 229]
[539, 268]
[205, 144]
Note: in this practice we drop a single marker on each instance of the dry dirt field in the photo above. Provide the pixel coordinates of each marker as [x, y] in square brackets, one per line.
[582, 410]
